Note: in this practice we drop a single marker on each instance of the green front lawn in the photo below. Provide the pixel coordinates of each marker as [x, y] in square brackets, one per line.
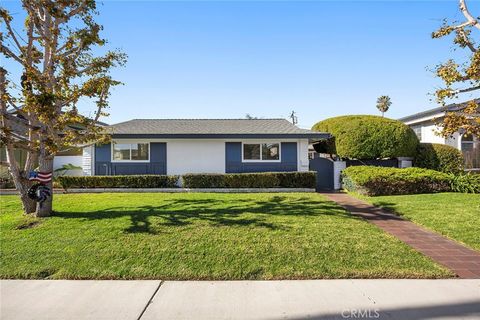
[455, 215]
[201, 236]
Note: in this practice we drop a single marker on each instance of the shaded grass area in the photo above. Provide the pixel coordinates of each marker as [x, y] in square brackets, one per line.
[201, 236]
[455, 215]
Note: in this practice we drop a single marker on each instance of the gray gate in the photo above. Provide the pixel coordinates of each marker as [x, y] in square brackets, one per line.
[324, 169]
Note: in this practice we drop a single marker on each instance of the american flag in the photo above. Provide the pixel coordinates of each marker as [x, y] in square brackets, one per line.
[43, 177]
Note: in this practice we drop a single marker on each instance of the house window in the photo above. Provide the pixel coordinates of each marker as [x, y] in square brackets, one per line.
[251, 151]
[130, 152]
[261, 151]
[471, 151]
[418, 132]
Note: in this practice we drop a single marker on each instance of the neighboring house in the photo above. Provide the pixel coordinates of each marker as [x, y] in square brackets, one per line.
[180, 146]
[72, 156]
[423, 123]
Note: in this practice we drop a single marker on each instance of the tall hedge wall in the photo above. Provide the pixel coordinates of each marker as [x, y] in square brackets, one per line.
[369, 137]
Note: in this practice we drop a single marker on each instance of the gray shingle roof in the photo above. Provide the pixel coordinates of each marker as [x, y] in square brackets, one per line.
[454, 107]
[208, 127]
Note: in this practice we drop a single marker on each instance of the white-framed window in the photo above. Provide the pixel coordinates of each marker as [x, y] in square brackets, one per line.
[131, 152]
[261, 151]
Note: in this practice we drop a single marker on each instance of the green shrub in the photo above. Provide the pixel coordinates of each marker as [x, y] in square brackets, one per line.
[6, 183]
[439, 157]
[369, 137]
[251, 180]
[297, 179]
[203, 181]
[466, 183]
[132, 181]
[377, 181]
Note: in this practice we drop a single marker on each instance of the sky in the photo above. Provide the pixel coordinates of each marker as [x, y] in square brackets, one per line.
[224, 59]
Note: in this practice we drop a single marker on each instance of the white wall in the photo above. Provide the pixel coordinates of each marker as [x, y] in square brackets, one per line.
[302, 155]
[455, 141]
[338, 167]
[59, 161]
[88, 160]
[195, 156]
[428, 133]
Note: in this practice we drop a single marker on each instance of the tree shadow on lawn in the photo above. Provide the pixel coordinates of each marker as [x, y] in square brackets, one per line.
[388, 207]
[183, 212]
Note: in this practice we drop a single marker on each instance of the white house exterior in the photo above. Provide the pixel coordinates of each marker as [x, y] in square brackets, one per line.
[181, 146]
[423, 124]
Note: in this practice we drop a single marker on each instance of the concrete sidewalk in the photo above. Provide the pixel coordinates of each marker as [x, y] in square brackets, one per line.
[310, 299]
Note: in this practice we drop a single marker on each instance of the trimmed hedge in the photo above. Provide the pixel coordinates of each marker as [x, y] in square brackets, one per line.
[378, 181]
[439, 157]
[251, 180]
[240, 180]
[132, 181]
[369, 137]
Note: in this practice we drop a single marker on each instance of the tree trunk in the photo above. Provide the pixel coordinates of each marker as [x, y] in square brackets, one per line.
[21, 183]
[29, 205]
[44, 209]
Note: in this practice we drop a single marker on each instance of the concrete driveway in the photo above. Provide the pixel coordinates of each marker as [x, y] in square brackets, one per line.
[310, 299]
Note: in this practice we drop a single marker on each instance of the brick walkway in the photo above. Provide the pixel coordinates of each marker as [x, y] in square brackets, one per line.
[461, 260]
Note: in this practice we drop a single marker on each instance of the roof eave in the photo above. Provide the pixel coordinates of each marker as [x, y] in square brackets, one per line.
[308, 135]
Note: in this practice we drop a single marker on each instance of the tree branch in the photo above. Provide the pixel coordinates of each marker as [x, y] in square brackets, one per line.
[12, 34]
[77, 10]
[5, 50]
[467, 41]
[470, 19]
[11, 117]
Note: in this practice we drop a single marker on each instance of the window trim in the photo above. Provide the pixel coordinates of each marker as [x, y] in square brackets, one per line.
[261, 153]
[130, 143]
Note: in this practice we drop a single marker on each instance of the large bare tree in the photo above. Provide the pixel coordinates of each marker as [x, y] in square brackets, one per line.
[461, 78]
[54, 51]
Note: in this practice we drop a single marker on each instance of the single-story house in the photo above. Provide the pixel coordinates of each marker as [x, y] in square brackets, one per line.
[180, 146]
[424, 125]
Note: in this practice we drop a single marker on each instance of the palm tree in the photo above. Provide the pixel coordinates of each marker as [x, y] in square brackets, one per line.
[383, 103]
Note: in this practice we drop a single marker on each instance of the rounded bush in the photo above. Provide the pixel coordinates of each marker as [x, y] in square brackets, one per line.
[439, 157]
[369, 137]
